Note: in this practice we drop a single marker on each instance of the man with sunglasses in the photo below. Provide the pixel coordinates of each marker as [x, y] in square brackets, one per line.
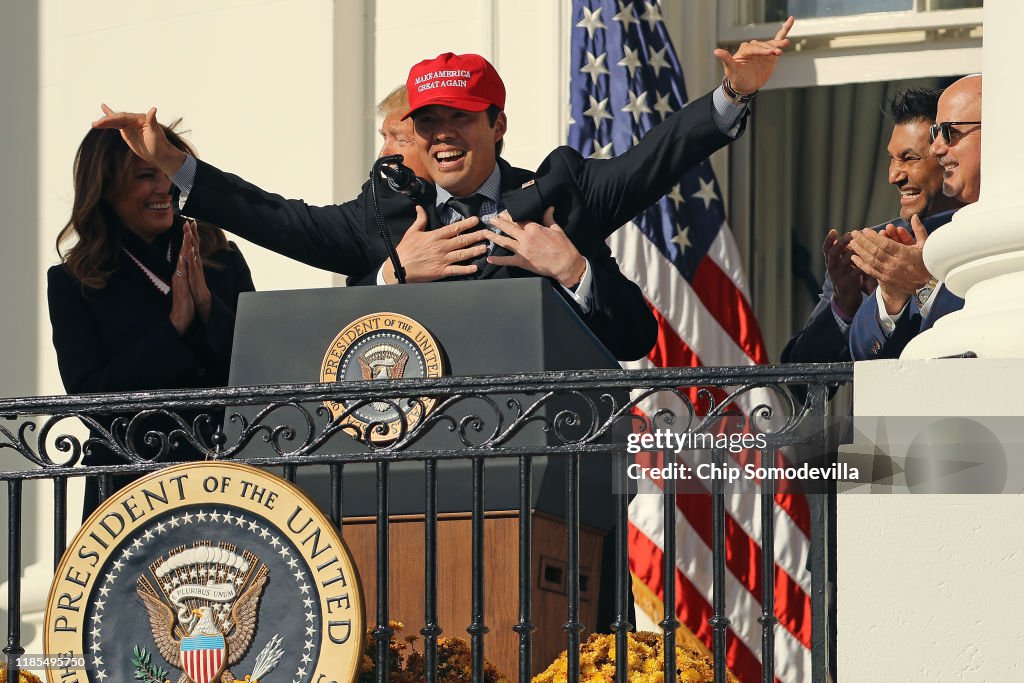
[887, 322]
[917, 176]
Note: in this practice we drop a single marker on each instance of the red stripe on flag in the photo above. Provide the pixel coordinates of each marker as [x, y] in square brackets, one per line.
[646, 561]
[794, 504]
[743, 558]
[671, 351]
[726, 303]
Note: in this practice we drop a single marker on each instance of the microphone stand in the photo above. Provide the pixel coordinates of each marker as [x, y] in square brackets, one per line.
[376, 177]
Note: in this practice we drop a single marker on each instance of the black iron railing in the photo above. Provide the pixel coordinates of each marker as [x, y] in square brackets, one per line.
[578, 415]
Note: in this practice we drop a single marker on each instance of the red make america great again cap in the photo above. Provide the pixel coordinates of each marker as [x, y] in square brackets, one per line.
[467, 82]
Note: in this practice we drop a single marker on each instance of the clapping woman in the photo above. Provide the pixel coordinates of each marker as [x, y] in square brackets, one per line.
[142, 298]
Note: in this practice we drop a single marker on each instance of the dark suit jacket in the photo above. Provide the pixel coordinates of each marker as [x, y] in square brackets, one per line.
[594, 197]
[619, 315]
[821, 340]
[120, 338]
[868, 341]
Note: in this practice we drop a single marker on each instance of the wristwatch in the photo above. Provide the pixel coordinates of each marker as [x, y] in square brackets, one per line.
[735, 96]
[922, 295]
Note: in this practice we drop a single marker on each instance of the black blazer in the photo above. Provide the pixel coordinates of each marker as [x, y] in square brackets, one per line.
[594, 197]
[120, 338]
[619, 315]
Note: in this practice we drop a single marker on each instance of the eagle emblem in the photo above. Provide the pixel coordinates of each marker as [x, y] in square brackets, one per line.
[203, 611]
[383, 361]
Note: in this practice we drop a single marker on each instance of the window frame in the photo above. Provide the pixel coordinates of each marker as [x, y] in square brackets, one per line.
[731, 32]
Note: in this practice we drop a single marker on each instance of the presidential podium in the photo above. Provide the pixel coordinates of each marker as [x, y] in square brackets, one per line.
[491, 327]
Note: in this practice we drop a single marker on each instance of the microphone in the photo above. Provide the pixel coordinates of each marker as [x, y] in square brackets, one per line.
[401, 178]
[377, 174]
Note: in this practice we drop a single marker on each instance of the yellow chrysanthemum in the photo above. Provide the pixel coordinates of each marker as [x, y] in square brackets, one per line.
[644, 659]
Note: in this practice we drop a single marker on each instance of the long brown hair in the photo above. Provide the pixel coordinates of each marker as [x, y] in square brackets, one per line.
[103, 164]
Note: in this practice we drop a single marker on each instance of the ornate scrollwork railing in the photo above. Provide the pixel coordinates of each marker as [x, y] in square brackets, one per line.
[575, 411]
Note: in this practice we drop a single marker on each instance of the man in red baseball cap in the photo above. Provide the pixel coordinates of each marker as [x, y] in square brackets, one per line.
[457, 88]
[456, 103]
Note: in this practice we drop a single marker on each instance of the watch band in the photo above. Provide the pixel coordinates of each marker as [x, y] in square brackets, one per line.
[735, 96]
[922, 295]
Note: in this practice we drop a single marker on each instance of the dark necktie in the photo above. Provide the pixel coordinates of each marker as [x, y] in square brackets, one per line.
[468, 207]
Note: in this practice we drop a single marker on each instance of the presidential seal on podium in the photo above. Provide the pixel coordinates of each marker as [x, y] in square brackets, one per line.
[207, 573]
[382, 346]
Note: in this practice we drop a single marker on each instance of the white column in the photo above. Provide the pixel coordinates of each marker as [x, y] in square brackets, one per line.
[980, 254]
[929, 585]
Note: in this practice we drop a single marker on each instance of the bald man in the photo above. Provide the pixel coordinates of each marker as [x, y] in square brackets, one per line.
[886, 323]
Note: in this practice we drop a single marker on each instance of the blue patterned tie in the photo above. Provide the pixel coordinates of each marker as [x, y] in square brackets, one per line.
[467, 207]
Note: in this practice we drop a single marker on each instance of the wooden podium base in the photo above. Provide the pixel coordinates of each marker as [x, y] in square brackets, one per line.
[501, 580]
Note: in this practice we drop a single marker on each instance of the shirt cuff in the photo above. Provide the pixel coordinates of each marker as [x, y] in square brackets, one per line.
[184, 179]
[887, 322]
[726, 114]
[380, 273]
[583, 295]
[841, 321]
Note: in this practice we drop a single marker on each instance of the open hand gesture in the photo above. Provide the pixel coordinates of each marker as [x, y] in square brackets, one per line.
[145, 136]
[753, 63]
[431, 255]
[542, 249]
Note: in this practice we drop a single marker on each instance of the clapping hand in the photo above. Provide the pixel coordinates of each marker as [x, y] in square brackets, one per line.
[189, 293]
[848, 281]
[894, 259]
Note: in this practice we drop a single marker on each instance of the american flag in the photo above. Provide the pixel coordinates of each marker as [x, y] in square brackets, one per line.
[625, 79]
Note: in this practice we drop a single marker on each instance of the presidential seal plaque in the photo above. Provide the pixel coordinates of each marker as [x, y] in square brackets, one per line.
[207, 573]
[382, 346]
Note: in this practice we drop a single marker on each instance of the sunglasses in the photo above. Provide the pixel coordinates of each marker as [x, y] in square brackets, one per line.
[945, 129]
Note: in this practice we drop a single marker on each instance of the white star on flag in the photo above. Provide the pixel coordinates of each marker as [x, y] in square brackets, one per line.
[652, 15]
[676, 196]
[682, 238]
[602, 151]
[625, 16]
[664, 104]
[631, 61]
[637, 105]
[595, 66]
[598, 111]
[591, 21]
[657, 59]
[706, 192]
